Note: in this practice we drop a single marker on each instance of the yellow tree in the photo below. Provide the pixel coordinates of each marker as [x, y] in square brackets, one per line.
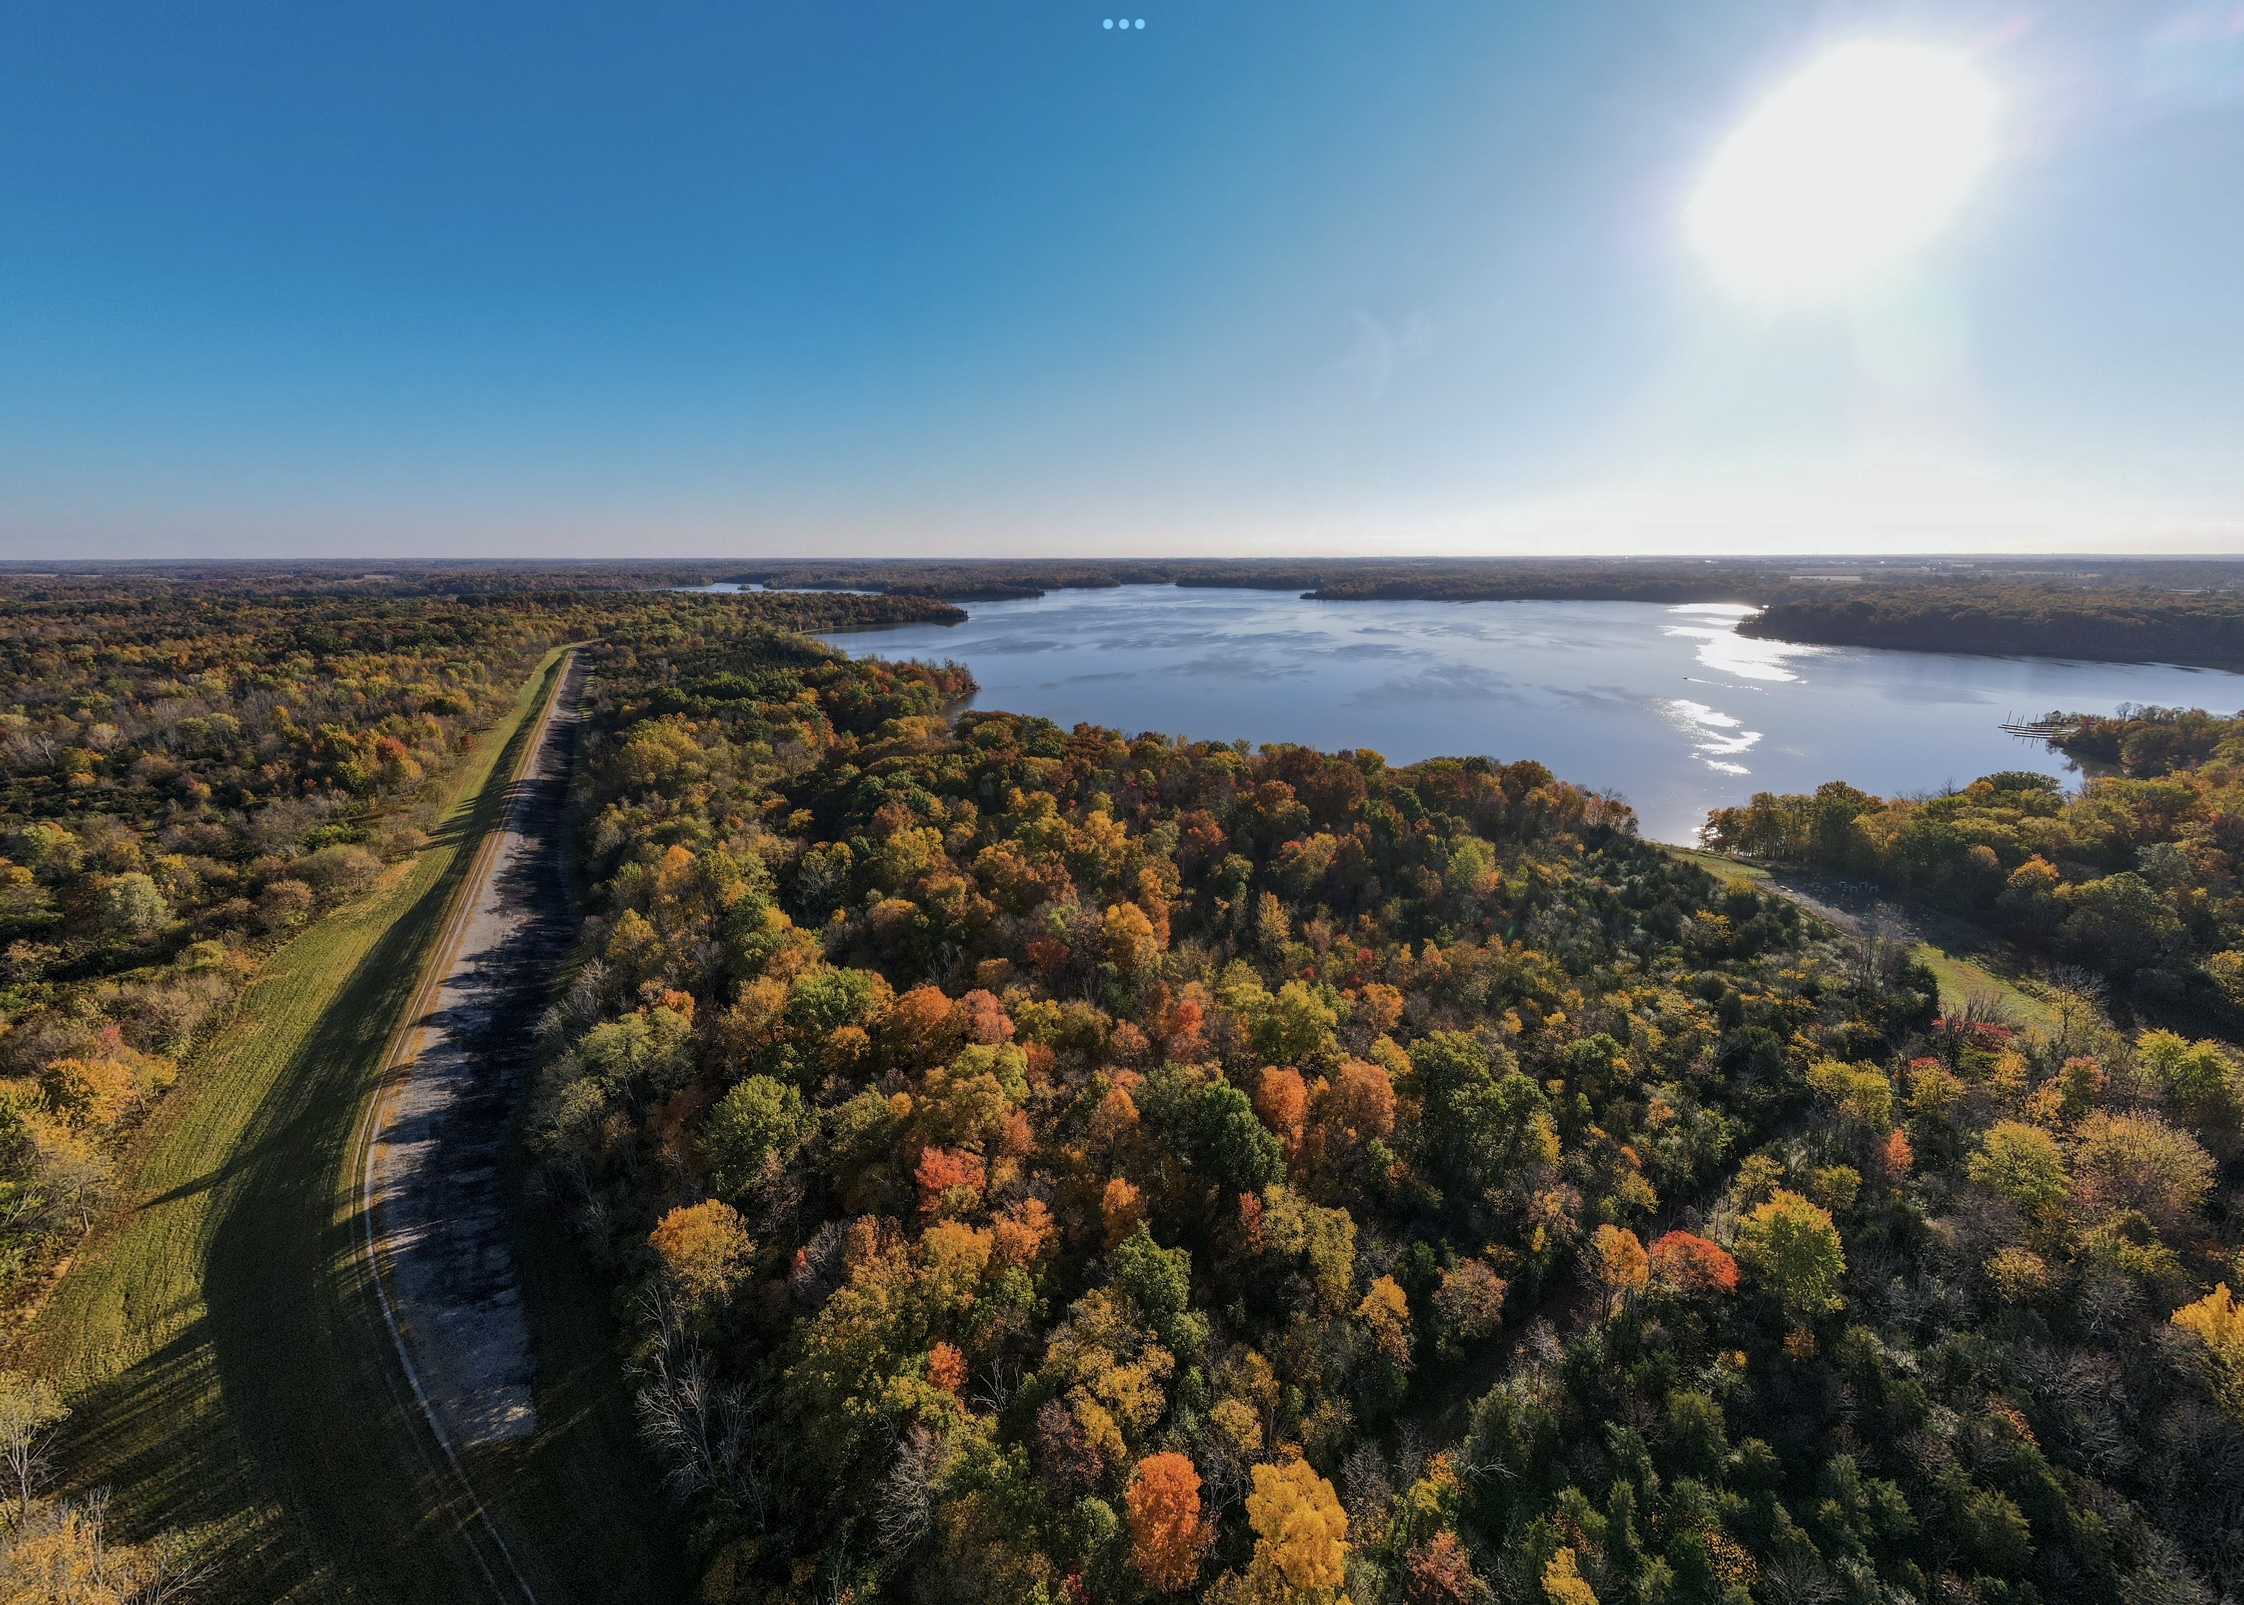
[1386, 1311]
[1618, 1260]
[2218, 1320]
[1299, 1526]
[2024, 1164]
[1563, 1583]
[705, 1248]
[1132, 944]
[1793, 1247]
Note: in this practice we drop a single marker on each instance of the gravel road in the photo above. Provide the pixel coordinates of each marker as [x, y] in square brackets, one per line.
[434, 1172]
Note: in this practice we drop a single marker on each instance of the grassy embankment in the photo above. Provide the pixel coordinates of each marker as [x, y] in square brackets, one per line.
[1966, 975]
[218, 1340]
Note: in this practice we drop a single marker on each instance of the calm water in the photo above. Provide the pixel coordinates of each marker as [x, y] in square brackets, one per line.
[1667, 706]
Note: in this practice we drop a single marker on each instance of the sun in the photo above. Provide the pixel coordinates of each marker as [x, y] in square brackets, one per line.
[1844, 173]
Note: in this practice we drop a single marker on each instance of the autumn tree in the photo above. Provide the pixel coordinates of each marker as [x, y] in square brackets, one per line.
[1282, 1099]
[1692, 1265]
[62, 1554]
[1791, 1245]
[2024, 1164]
[1468, 1303]
[950, 1180]
[1299, 1525]
[1132, 945]
[1360, 1104]
[1121, 1209]
[1861, 1092]
[1385, 1312]
[704, 1248]
[1618, 1261]
[946, 1368]
[1563, 1583]
[89, 1092]
[2140, 1162]
[1167, 1535]
[2217, 1321]
[1439, 1572]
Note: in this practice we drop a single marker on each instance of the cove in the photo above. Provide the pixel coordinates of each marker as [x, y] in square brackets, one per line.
[1666, 706]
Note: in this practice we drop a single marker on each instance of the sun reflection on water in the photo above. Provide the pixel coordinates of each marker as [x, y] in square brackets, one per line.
[1722, 649]
[1715, 736]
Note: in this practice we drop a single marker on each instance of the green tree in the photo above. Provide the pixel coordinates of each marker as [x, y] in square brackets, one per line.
[648, 1051]
[1794, 1249]
[2198, 1076]
[133, 907]
[1234, 1142]
[758, 1126]
[1482, 1127]
[2024, 1164]
[1296, 1028]
[1160, 1279]
[2119, 923]
[1323, 1240]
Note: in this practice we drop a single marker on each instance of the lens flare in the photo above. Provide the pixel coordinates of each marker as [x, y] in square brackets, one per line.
[1844, 173]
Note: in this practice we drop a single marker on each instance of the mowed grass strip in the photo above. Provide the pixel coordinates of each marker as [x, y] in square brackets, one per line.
[226, 1362]
[1965, 981]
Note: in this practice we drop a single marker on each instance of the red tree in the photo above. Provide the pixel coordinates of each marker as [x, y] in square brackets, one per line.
[945, 1175]
[1693, 1265]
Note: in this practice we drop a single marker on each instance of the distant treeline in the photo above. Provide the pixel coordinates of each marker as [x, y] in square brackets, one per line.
[1341, 579]
[2114, 625]
[332, 579]
[2125, 610]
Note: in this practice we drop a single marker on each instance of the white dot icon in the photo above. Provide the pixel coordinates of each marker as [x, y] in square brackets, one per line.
[1110, 22]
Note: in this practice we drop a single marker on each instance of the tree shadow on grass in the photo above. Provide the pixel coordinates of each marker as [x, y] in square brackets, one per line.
[276, 1429]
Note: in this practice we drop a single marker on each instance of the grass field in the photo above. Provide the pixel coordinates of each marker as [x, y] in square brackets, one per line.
[1965, 975]
[1964, 980]
[225, 1360]
[1728, 870]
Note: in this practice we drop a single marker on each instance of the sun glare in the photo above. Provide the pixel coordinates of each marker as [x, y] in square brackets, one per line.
[1843, 173]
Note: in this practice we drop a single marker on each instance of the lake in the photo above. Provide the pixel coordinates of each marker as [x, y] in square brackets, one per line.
[1667, 706]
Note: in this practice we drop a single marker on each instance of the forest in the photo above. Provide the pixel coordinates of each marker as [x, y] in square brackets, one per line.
[1075, 1165]
[2104, 622]
[2134, 878]
[189, 775]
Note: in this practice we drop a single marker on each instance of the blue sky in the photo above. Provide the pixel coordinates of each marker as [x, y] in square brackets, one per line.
[797, 278]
